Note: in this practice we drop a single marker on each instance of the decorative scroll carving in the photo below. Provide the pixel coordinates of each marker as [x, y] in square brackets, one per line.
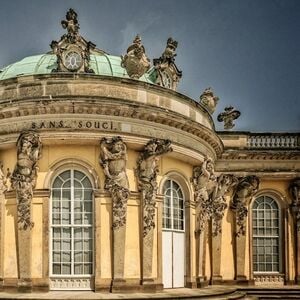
[113, 159]
[228, 116]
[24, 176]
[294, 189]
[209, 100]
[244, 191]
[72, 51]
[135, 61]
[168, 75]
[147, 169]
[204, 182]
[224, 183]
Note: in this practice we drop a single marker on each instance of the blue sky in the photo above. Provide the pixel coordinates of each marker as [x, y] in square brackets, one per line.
[248, 51]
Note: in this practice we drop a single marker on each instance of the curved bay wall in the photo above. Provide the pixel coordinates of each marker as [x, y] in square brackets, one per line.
[73, 107]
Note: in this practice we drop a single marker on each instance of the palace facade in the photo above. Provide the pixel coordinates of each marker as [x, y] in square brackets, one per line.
[112, 181]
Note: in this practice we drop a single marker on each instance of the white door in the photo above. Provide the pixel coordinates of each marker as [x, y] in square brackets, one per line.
[173, 250]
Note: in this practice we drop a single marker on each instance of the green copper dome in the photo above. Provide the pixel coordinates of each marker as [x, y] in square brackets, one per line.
[102, 64]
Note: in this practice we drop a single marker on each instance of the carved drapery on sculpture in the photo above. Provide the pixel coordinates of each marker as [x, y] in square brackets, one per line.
[204, 182]
[135, 61]
[147, 169]
[168, 75]
[24, 176]
[113, 159]
[224, 183]
[209, 100]
[72, 51]
[294, 189]
[244, 192]
[228, 116]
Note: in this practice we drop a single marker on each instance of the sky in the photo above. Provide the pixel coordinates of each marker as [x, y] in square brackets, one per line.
[248, 51]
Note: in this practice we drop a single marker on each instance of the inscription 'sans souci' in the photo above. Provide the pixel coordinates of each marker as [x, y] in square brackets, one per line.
[103, 125]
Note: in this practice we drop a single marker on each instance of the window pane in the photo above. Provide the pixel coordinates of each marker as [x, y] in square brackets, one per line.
[173, 206]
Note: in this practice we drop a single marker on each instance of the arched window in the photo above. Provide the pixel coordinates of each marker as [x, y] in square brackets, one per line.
[71, 225]
[266, 235]
[173, 208]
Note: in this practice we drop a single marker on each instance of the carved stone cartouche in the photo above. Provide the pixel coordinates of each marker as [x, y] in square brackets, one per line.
[224, 183]
[135, 61]
[294, 189]
[204, 182]
[209, 100]
[228, 116]
[244, 192]
[113, 159]
[72, 51]
[24, 176]
[147, 170]
[168, 75]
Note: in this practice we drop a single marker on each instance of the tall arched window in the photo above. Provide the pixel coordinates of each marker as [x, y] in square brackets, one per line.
[71, 225]
[266, 235]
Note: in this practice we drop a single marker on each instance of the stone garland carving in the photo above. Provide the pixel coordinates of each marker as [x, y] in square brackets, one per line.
[224, 183]
[209, 100]
[3, 180]
[204, 182]
[168, 73]
[294, 189]
[113, 159]
[228, 116]
[147, 170]
[24, 176]
[135, 61]
[244, 191]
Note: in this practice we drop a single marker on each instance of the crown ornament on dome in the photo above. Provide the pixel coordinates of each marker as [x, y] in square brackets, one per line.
[209, 100]
[72, 50]
[228, 116]
[168, 74]
[135, 60]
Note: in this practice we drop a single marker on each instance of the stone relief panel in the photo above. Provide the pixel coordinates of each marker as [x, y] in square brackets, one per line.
[135, 60]
[24, 176]
[113, 158]
[243, 193]
[294, 189]
[147, 170]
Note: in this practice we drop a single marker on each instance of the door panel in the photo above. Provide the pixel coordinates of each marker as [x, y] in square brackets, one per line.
[178, 259]
[167, 258]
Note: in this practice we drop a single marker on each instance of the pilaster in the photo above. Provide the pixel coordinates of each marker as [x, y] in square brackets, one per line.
[216, 259]
[2, 226]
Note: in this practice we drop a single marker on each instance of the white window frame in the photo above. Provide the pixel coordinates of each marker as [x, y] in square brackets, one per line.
[279, 237]
[172, 208]
[71, 281]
